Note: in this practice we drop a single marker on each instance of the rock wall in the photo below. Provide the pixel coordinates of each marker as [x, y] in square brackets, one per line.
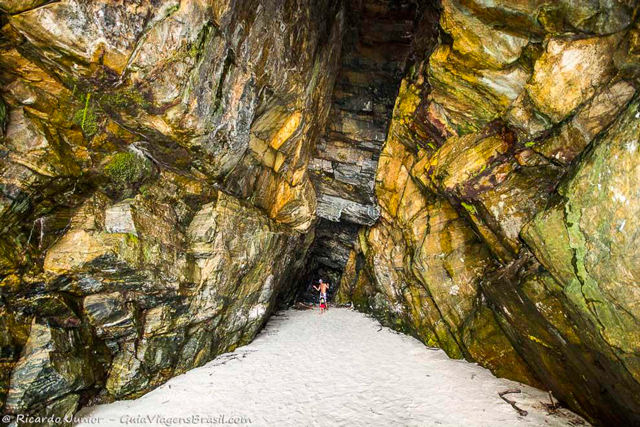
[506, 188]
[375, 53]
[155, 203]
[163, 167]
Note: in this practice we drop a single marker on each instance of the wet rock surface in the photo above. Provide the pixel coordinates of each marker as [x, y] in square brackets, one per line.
[505, 190]
[465, 171]
[375, 52]
[155, 204]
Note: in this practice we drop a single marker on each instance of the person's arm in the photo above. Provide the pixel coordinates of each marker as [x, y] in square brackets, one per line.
[316, 288]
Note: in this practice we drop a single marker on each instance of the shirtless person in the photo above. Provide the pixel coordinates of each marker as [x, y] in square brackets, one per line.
[322, 287]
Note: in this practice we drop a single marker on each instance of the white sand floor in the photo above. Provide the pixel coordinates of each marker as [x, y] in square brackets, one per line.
[337, 369]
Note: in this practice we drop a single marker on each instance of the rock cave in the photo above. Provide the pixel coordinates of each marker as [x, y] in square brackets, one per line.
[173, 173]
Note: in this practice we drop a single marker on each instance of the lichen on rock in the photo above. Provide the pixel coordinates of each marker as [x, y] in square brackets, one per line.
[171, 174]
[505, 187]
[137, 221]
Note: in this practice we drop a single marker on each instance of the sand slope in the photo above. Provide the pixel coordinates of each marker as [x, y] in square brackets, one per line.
[340, 368]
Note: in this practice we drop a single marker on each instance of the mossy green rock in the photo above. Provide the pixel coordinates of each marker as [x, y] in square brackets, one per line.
[601, 241]
[587, 244]
[87, 117]
[128, 168]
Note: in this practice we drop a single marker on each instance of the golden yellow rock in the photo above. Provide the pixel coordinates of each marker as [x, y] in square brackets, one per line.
[472, 97]
[486, 46]
[285, 132]
[569, 73]
[463, 158]
[74, 251]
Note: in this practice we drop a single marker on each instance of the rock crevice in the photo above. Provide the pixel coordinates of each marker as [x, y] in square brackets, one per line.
[464, 170]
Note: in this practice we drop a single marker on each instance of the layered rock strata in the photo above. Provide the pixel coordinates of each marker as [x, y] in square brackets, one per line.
[375, 53]
[506, 186]
[163, 168]
[155, 204]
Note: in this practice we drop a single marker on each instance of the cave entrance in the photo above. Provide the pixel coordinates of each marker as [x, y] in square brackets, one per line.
[377, 50]
[329, 255]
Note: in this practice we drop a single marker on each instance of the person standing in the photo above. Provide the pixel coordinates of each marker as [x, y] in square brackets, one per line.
[323, 288]
[323, 305]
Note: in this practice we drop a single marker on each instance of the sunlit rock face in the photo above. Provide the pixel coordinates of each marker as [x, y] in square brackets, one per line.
[506, 189]
[155, 204]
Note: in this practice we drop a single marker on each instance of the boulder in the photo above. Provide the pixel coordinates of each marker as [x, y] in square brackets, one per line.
[569, 73]
[585, 242]
[539, 16]
[485, 46]
[54, 362]
[471, 96]
[84, 32]
[590, 119]
[109, 314]
[14, 333]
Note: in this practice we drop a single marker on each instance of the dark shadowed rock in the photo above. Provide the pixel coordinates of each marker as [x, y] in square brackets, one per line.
[54, 362]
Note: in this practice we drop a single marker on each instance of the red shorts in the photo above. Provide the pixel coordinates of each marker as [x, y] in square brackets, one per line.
[323, 306]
